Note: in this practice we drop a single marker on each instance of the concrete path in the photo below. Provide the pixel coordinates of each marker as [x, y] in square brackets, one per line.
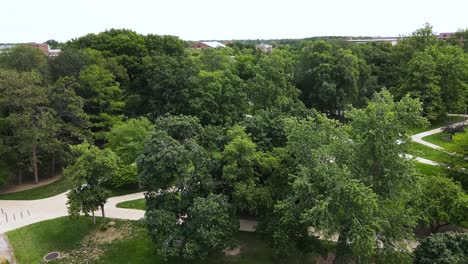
[422, 160]
[16, 214]
[5, 249]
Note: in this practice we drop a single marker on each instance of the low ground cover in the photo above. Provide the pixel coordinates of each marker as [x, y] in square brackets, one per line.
[139, 204]
[79, 241]
[441, 139]
[59, 187]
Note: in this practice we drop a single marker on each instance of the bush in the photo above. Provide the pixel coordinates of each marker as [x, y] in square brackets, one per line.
[443, 248]
[453, 129]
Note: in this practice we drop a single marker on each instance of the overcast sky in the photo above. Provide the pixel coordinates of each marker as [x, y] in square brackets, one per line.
[40, 20]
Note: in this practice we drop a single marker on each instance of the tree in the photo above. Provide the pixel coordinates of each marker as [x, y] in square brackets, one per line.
[69, 63]
[376, 133]
[328, 77]
[437, 76]
[127, 141]
[103, 98]
[166, 81]
[442, 202]
[273, 83]
[182, 216]
[29, 114]
[25, 58]
[324, 194]
[90, 169]
[245, 170]
[73, 122]
[460, 38]
[218, 98]
[444, 248]
[211, 225]
[456, 162]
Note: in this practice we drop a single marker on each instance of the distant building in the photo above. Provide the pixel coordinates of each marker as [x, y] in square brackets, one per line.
[208, 44]
[264, 47]
[391, 40]
[445, 35]
[44, 47]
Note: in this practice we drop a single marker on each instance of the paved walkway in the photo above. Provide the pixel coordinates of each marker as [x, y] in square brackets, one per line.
[419, 137]
[16, 214]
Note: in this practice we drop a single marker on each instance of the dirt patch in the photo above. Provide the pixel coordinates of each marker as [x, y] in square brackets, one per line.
[232, 251]
[91, 248]
[111, 234]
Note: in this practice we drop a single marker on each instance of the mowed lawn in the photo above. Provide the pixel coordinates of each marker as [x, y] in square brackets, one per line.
[59, 187]
[41, 192]
[420, 150]
[125, 242]
[139, 204]
[447, 120]
[441, 139]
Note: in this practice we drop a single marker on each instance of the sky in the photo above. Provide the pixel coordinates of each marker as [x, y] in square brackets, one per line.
[62, 20]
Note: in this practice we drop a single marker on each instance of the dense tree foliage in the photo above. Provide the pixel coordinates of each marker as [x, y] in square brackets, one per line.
[443, 248]
[308, 139]
[90, 169]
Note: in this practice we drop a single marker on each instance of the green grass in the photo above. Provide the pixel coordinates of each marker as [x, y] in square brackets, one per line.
[32, 242]
[41, 192]
[59, 187]
[139, 204]
[124, 190]
[438, 139]
[420, 150]
[428, 170]
[437, 123]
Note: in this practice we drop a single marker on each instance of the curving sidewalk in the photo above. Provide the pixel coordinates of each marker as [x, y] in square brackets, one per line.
[15, 214]
[419, 137]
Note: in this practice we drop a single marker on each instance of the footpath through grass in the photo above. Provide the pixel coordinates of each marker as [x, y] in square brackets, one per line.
[446, 120]
[442, 140]
[59, 187]
[423, 151]
[125, 242]
[41, 192]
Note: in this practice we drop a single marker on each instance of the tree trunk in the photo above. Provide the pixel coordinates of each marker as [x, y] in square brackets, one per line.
[103, 214]
[94, 219]
[343, 255]
[20, 176]
[34, 164]
[52, 172]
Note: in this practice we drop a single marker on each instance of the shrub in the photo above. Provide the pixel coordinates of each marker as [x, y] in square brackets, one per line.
[443, 248]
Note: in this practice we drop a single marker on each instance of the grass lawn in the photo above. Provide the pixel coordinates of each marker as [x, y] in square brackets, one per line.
[124, 190]
[139, 204]
[438, 123]
[420, 150]
[59, 187]
[426, 169]
[41, 192]
[126, 242]
[438, 139]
